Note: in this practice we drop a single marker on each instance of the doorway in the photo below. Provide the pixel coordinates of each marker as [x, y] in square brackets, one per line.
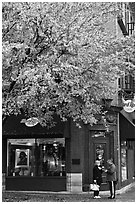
[99, 149]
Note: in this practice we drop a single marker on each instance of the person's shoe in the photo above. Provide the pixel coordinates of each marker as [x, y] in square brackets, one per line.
[98, 197]
[95, 196]
[111, 197]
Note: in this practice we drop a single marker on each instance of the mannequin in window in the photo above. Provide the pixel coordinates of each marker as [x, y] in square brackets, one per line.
[50, 162]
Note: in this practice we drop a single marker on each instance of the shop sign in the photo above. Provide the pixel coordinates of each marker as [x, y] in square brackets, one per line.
[30, 122]
[99, 134]
[129, 105]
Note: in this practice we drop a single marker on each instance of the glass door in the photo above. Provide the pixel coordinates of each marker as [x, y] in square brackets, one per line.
[99, 150]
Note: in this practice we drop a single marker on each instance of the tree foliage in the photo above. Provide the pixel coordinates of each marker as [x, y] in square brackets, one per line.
[59, 58]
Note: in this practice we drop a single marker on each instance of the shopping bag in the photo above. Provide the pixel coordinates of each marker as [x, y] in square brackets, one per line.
[94, 187]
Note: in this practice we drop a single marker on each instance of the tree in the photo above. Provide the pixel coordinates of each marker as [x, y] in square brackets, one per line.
[58, 58]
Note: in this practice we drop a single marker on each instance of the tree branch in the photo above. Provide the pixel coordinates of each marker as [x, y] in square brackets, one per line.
[8, 29]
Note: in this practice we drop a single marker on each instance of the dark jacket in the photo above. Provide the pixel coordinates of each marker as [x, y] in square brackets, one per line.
[111, 173]
[97, 174]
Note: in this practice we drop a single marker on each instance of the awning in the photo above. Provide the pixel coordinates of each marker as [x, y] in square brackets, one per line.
[14, 128]
[127, 128]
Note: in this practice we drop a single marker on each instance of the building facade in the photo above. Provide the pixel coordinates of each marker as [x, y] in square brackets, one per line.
[62, 158]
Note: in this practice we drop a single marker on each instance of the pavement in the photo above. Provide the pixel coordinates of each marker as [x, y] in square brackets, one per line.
[126, 194]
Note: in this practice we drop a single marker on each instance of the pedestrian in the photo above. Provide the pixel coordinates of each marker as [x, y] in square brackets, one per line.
[111, 178]
[97, 177]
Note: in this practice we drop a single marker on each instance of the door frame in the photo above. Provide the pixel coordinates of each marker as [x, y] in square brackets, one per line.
[102, 139]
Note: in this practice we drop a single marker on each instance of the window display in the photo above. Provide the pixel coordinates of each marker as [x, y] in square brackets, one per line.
[123, 160]
[22, 158]
[36, 157]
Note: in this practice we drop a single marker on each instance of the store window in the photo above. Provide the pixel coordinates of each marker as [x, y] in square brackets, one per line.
[123, 160]
[36, 157]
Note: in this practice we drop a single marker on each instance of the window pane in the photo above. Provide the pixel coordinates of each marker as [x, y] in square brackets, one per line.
[36, 157]
[123, 160]
[52, 153]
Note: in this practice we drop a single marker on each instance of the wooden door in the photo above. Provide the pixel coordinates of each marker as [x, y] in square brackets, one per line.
[99, 149]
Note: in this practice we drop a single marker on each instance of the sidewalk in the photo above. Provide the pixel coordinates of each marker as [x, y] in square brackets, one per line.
[126, 194]
[120, 191]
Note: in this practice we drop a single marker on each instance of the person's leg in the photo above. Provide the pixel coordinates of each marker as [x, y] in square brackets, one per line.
[110, 188]
[98, 183]
[95, 193]
[98, 195]
[114, 189]
[98, 190]
[115, 183]
[112, 185]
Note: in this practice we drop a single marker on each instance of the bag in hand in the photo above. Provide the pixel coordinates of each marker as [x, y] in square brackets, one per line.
[94, 187]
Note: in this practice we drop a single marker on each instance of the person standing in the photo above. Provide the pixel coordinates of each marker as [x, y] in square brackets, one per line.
[97, 177]
[111, 178]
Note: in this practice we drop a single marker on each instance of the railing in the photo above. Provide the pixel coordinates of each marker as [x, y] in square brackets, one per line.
[127, 83]
[130, 28]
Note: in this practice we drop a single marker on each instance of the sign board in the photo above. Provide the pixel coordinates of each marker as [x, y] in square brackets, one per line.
[129, 106]
[30, 122]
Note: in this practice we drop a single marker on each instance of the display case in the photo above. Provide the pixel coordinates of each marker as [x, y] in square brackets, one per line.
[36, 157]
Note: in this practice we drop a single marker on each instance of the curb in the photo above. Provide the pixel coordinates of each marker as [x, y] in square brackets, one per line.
[126, 188]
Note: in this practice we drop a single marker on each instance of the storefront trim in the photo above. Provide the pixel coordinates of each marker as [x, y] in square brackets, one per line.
[36, 183]
[74, 182]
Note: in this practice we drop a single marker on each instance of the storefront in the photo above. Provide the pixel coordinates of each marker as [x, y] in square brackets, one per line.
[34, 158]
[127, 149]
[62, 158]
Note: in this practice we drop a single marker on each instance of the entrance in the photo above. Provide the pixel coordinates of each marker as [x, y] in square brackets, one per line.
[99, 149]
